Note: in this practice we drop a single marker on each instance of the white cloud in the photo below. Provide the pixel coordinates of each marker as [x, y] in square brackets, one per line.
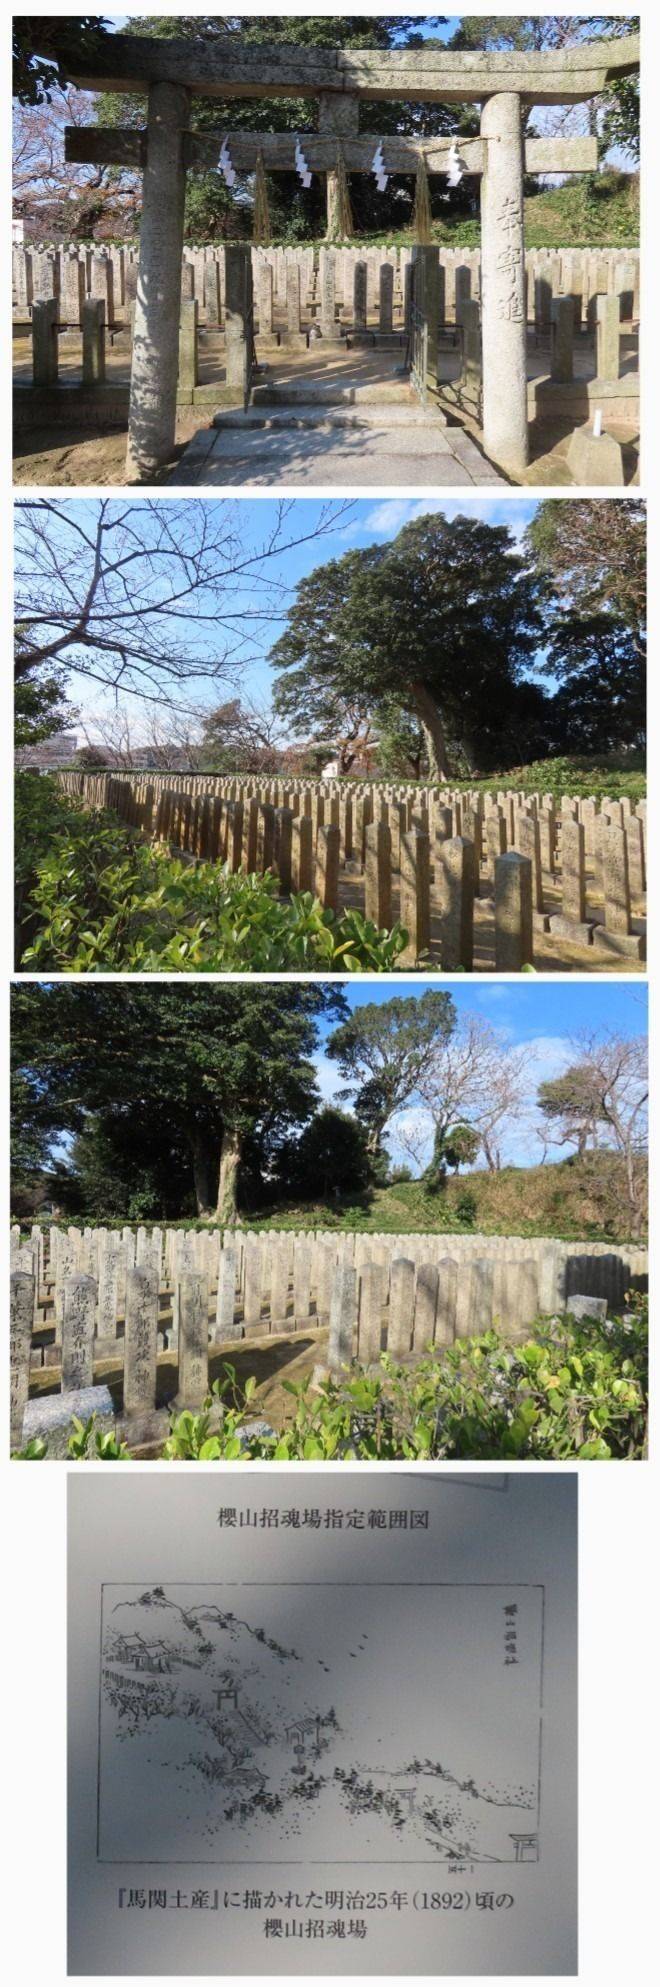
[498, 992]
[389, 517]
[329, 1080]
[550, 1054]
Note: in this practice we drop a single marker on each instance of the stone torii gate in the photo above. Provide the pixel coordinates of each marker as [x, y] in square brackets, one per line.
[340, 80]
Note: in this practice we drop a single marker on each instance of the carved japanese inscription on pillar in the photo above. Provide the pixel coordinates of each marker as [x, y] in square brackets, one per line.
[510, 260]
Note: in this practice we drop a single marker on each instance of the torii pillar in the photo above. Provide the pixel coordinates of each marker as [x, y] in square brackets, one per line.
[503, 307]
[155, 364]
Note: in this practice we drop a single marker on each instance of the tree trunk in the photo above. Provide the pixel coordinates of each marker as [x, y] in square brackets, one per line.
[375, 1139]
[202, 1172]
[230, 1159]
[633, 1191]
[433, 729]
[468, 758]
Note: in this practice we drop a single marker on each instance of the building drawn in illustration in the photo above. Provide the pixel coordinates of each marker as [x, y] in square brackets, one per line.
[154, 1657]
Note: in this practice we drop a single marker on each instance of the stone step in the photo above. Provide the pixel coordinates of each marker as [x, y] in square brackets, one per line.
[396, 392]
[378, 341]
[381, 418]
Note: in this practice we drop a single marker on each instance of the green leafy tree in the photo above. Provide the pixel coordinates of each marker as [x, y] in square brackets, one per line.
[331, 1157]
[602, 1099]
[382, 1049]
[620, 117]
[458, 1146]
[90, 756]
[31, 1137]
[207, 1066]
[595, 618]
[237, 737]
[40, 710]
[401, 742]
[117, 1171]
[567, 1103]
[445, 617]
[533, 33]
[40, 707]
[35, 49]
[40, 703]
[614, 115]
[600, 707]
[596, 563]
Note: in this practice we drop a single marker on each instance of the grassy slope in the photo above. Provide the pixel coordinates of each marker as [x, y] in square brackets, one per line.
[613, 777]
[586, 212]
[583, 213]
[568, 1200]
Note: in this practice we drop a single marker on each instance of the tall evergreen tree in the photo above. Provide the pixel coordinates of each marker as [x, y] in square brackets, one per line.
[199, 1070]
[383, 1048]
[593, 557]
[446, 618]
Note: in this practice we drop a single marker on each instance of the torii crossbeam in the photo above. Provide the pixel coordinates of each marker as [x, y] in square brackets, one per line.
[339, 79]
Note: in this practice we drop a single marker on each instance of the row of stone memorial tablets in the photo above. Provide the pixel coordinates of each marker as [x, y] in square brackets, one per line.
[70, 273]
[434, 860]
[370, 1294]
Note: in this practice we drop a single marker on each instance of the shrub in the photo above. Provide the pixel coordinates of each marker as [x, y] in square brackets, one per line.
[104, 900]
[41, 810]
[612, 778]
[566, 1394]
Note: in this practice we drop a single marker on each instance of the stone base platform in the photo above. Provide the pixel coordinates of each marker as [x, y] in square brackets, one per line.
[627, 945]
[50, 1418]
[579, 934]
[144, 1431]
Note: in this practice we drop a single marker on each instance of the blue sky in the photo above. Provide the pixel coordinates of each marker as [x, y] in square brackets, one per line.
[115, 22]
[544, 1016]
[365, 522]
[528, 1008]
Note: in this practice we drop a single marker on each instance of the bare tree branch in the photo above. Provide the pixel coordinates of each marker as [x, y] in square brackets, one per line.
[155, 595]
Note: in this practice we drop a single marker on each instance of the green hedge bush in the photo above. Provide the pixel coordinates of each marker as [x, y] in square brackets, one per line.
[103, 901]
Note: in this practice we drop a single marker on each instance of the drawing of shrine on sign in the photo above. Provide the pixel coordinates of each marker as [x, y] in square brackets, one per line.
[320, 1722]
